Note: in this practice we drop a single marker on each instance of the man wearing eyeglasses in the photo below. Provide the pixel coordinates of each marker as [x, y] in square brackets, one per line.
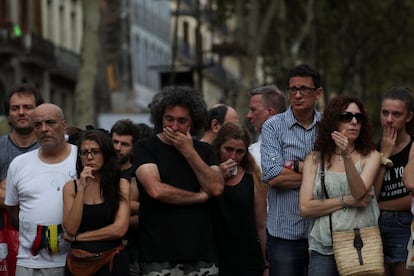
[35, 182]
[286, 140]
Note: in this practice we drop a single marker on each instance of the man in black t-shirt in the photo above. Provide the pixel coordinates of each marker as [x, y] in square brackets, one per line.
[176, 176]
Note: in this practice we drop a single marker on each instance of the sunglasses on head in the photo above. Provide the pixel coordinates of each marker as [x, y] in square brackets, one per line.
[346, 117]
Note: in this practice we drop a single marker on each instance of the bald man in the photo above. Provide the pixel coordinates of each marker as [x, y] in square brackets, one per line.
[218, 115]
[34, 194]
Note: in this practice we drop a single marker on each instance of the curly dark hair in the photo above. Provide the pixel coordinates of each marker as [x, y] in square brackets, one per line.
[364, 144]
[232, 130]
[110, 171]
[184, 96]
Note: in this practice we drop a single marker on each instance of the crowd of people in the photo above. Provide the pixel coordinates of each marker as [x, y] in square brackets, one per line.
[195, 195]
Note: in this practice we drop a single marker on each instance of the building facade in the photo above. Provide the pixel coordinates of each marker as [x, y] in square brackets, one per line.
[39, 43]
[144, 45]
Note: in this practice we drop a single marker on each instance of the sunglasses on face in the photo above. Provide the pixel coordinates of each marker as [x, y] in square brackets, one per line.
[347, 117]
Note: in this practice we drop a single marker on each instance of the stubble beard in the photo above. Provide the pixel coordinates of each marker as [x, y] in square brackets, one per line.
[124, 159]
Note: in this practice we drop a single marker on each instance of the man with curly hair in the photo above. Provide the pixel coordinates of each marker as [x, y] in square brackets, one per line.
[176, 175]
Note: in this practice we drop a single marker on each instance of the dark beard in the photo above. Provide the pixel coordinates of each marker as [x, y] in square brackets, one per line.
[24, 130]
[124, 160]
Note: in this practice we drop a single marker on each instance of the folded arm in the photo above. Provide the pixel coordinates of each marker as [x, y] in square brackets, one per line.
[119, 227]
[148, 176]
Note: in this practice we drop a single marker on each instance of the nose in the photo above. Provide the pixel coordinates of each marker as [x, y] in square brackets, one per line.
[44, 127]
[388, 118]
[354, 120]
[175, 125]
[249, 115]
[297, 91]
[21, 110]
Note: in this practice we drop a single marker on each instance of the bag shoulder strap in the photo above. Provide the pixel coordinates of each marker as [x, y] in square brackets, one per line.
[324, 188]
[76, 186]
[325, 192]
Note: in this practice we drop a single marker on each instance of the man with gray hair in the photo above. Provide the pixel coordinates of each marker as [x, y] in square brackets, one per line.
[265, 102]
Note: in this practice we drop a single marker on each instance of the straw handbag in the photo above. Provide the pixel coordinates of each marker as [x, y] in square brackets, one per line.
[357, 251]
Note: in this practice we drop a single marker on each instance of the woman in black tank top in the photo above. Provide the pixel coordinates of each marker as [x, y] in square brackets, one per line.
[240, 212]
[96, 205]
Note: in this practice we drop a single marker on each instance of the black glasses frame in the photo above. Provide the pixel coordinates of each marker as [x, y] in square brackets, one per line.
[93, 152]
[303, 90]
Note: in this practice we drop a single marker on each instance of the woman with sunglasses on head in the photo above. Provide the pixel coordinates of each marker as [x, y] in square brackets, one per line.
[96, 207]
[393, 198]
[347, 151]
[240, 212]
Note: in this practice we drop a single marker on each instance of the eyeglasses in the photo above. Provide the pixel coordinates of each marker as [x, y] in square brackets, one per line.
[303, 90]
[346, 117]
[93, 152]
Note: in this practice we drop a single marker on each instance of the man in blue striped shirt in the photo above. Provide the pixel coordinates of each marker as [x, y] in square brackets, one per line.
[286, 140]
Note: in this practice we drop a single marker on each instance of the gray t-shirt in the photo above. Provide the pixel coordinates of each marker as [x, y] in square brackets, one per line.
[9, 151]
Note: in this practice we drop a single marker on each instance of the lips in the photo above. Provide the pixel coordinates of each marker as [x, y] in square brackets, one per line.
[45, 137]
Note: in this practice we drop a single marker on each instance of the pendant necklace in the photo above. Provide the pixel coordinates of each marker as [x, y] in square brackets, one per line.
[339, 155]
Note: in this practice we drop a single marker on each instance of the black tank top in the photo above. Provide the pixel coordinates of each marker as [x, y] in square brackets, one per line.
[392, 185]
[94, 217]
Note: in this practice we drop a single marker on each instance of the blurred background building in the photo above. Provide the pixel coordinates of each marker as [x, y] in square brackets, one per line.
[143, 46]
[40, 43]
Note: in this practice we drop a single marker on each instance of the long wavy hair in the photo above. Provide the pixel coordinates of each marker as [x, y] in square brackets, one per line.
[364, 144]
[110, 172]
[232, 130]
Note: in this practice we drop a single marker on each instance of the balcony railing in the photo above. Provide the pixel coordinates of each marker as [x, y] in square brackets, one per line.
[38, 50]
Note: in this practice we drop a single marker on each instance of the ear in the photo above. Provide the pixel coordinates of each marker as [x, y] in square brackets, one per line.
[409, 117]
[319, 92]
[215, 125]
[271, 111]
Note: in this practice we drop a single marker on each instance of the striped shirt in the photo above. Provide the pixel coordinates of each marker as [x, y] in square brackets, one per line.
[283, 138]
